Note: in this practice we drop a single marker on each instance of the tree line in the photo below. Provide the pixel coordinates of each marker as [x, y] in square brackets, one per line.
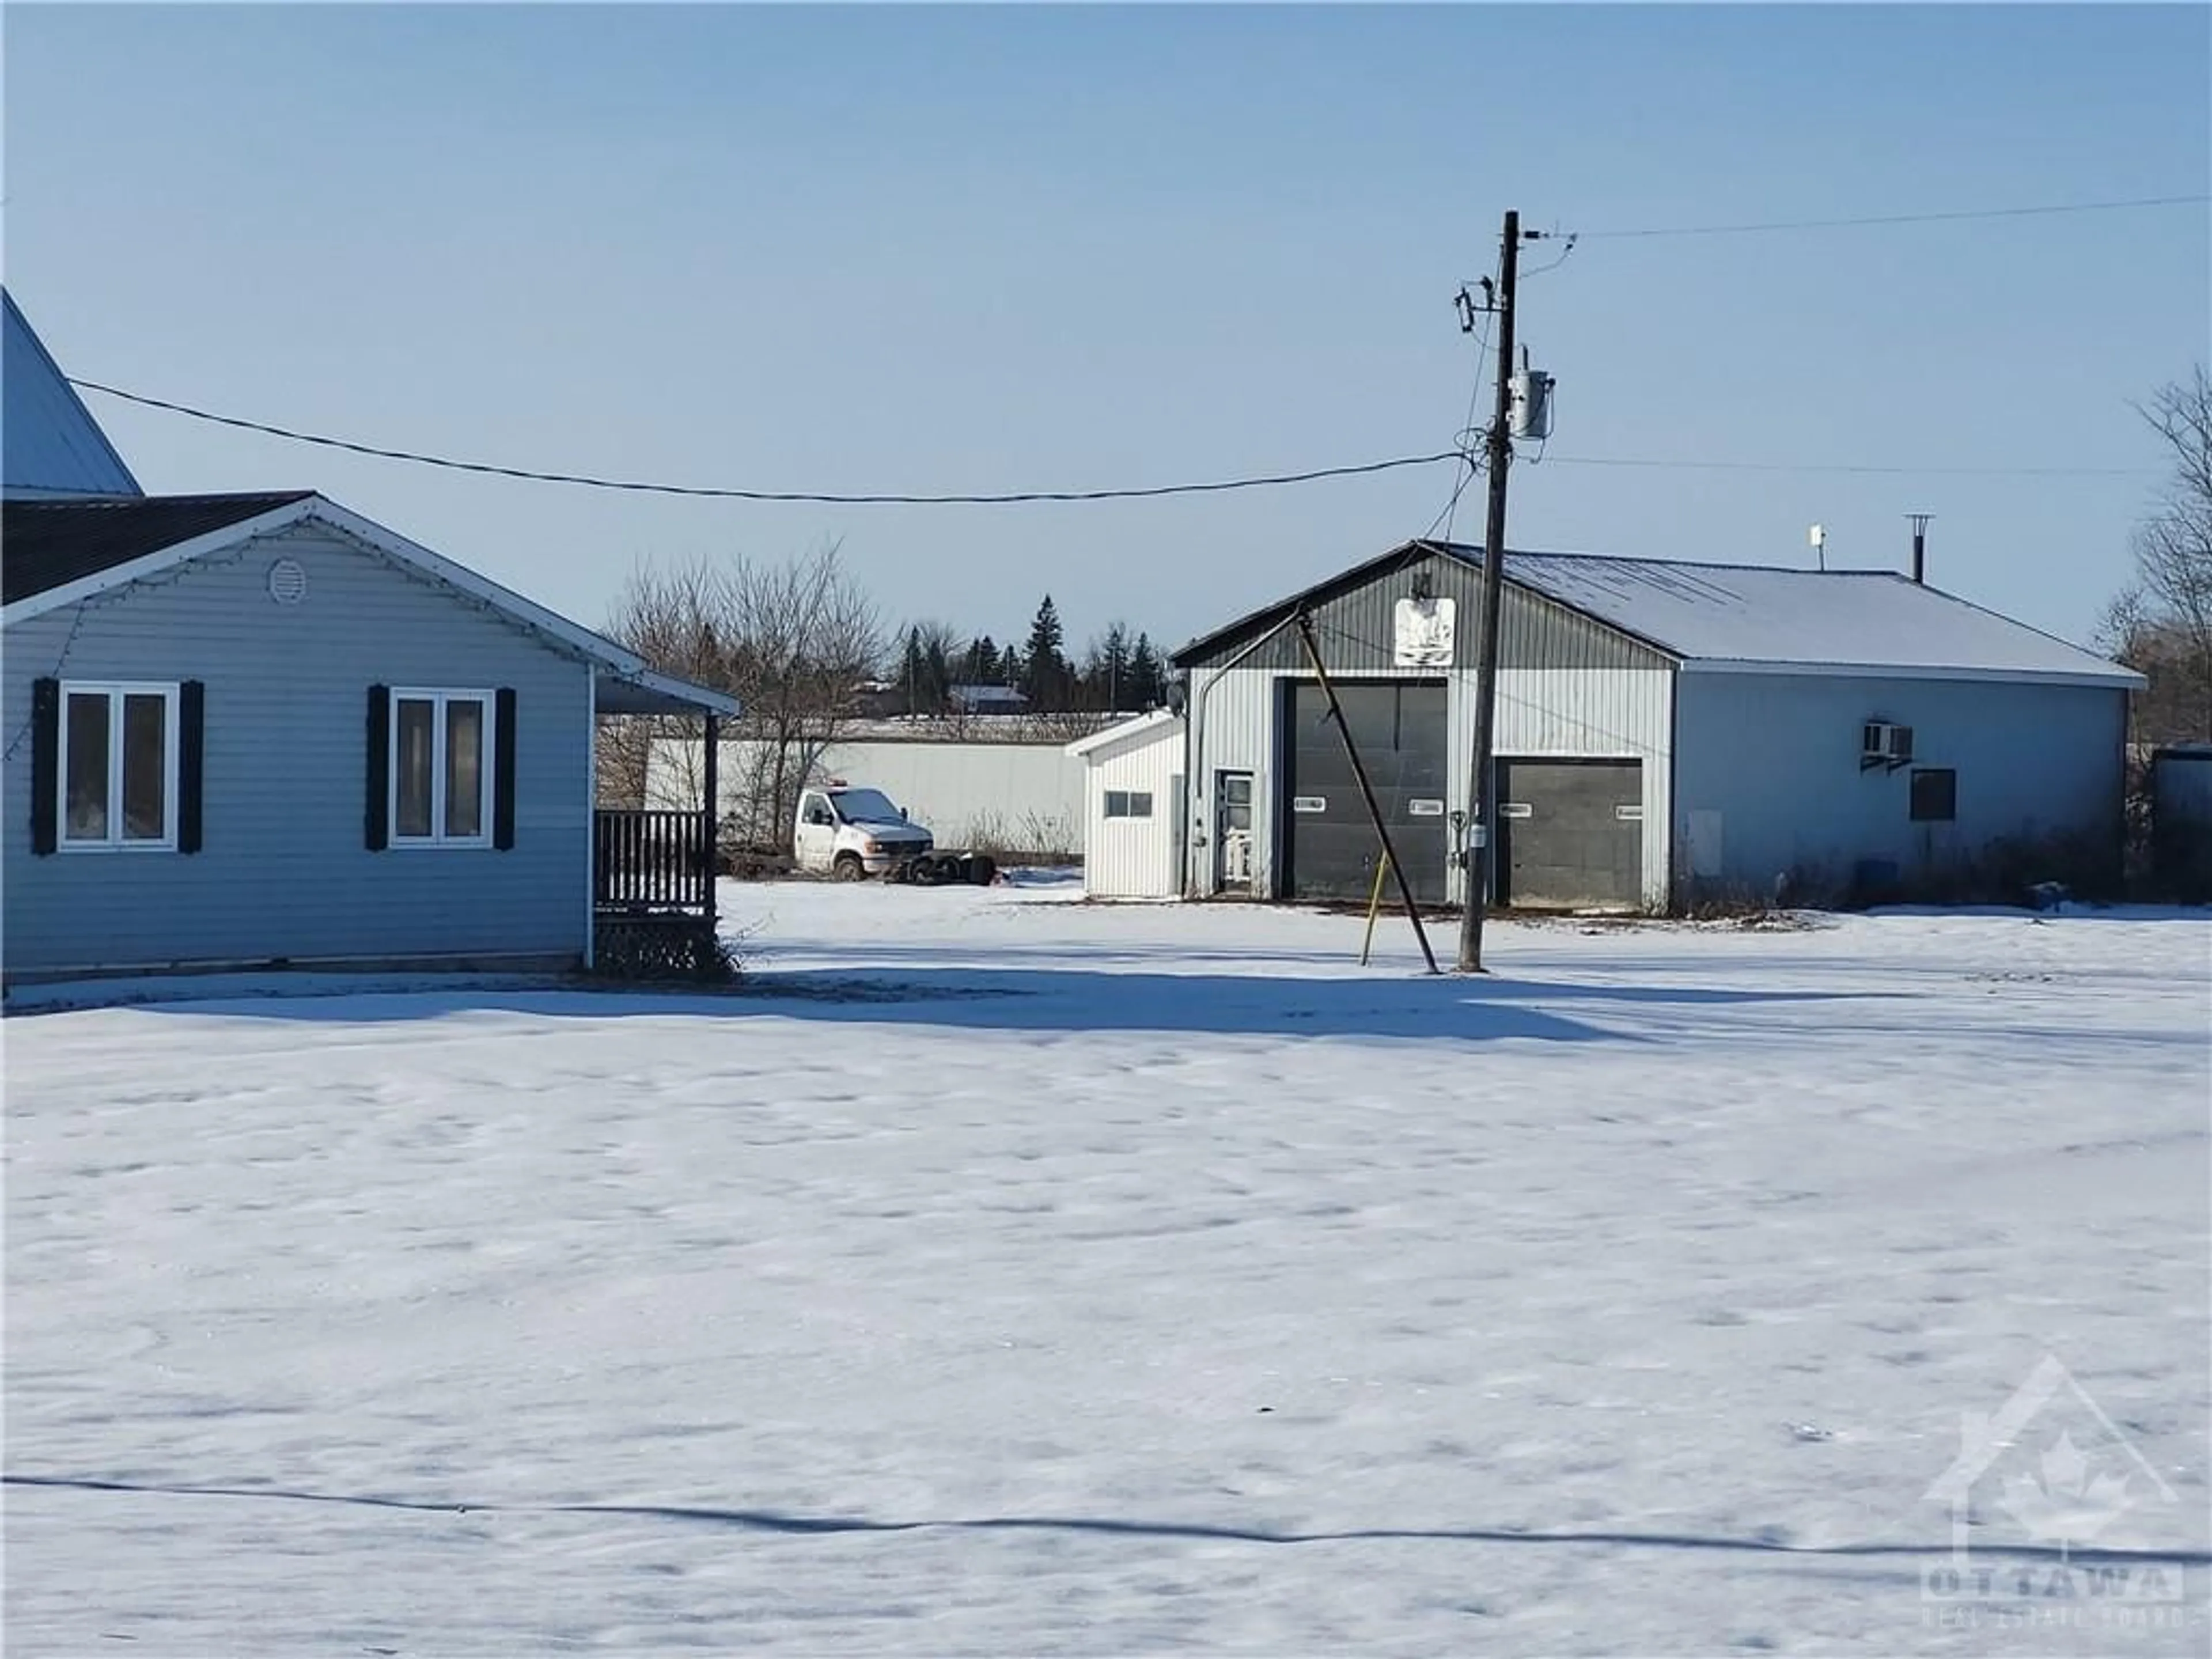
[808, 653]
[937, 671]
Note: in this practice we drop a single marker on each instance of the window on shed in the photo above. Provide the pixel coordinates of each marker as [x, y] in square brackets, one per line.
[1129, 803]
[1934, 794]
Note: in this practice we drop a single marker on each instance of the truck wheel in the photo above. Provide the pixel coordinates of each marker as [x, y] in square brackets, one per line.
[927, 872]
[846, 868]
[981, 869]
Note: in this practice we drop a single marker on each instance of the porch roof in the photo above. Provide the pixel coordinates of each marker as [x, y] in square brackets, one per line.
[643, 691]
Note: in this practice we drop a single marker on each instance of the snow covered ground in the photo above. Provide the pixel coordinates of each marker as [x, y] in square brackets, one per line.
[1005, 1274]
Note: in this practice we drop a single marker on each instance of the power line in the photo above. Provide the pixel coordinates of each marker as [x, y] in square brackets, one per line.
[823, 498]
[1840, 466]
[1012, 497]
[1911, 218]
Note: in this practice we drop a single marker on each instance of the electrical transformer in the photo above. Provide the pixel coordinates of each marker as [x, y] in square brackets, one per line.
[1531, 410]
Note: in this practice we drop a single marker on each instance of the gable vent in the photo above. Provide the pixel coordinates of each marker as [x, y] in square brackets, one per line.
[288, 581]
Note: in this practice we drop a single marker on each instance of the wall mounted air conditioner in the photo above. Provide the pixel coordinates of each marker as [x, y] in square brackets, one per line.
[1885, 743]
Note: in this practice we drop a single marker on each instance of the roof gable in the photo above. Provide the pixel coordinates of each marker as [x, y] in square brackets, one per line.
[1126, 734]
[49, 445]
[1743, 617]
[54, 542]
[80, 548]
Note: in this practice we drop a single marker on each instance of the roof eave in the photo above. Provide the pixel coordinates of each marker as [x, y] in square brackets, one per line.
[624, 664]
[1127, 731]
[654, 693]
[33, 605]
[2114, 679]
[1273, 615]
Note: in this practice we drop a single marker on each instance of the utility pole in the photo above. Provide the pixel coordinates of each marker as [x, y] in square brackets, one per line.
[1482, 810]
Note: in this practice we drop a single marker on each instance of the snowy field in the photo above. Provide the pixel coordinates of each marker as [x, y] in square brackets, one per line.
[1003, 1274]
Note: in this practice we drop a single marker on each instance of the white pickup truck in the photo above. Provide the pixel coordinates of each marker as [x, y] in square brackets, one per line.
[846, 834]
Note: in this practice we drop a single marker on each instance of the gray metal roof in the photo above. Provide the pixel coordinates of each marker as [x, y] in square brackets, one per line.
[1722, 616]
[1717, 617]
[49, 445]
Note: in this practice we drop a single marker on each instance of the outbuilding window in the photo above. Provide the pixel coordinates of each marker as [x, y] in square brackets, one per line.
[1934, 794]
[440, 784]
[118, 767]
[1128, 804]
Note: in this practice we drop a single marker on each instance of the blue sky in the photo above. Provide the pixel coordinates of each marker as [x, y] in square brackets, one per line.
[941, 249]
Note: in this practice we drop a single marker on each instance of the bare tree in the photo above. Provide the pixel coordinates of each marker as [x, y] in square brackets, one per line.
[677, 621]
[792, 641]
[804, 638]
[2161, 623]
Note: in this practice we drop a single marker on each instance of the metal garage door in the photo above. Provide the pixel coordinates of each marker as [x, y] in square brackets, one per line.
[1571, 832]
[1330, 847]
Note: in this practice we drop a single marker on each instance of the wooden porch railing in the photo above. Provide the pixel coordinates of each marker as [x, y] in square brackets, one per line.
[652, 860]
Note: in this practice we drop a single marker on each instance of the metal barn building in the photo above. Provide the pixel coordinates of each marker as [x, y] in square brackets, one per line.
[1665, 731]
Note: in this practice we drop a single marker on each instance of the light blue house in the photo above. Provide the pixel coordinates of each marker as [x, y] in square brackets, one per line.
[254, 729]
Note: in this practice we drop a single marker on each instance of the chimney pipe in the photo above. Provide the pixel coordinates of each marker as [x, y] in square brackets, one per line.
[1920, 546]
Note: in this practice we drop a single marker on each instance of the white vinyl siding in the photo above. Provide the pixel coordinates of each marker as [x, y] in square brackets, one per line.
[441, 784]
[1133, 791]
[118, 767]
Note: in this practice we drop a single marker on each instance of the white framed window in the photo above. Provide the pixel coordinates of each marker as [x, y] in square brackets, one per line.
[116, 764]
[1128, 804]
[442, 767]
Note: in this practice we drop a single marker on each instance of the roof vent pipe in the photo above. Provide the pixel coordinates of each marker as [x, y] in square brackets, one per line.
[1920, 546]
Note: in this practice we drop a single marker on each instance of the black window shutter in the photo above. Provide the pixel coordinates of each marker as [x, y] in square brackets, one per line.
[191, 741]
[45, 763]
[376, 823]
[502, 771]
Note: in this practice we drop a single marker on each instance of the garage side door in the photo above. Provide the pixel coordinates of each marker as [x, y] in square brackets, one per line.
[1572, 833]
[1329, 844]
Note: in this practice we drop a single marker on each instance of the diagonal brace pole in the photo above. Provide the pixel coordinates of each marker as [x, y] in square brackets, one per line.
[1366, 792]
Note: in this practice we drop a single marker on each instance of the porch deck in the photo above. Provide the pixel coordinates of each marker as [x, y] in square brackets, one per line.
[653, 890]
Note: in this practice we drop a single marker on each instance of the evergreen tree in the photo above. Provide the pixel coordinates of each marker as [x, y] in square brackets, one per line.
[936, 676]
[911, 674]
[1010, 667]
[981, 665]
[1147, 678]
[1045, 675]
[1106, 673]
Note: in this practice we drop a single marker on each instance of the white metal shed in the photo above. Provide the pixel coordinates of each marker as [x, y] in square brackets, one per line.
[1133, 808]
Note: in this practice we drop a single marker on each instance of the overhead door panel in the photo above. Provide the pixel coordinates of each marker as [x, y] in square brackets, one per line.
[1329, 846]
[1571, 833]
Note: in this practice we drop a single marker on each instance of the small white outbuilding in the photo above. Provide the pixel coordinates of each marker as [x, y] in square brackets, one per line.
[1133, 794]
